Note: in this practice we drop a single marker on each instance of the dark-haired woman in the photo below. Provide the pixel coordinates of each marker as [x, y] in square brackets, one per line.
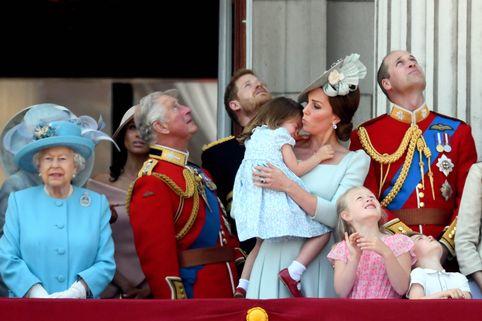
[129, 281]
[331, 101]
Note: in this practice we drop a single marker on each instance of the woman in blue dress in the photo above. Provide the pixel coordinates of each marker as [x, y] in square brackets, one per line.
[57, 239]
[332, 100]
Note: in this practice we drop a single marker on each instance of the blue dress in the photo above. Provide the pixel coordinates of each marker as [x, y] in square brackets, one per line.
[54, 241]
[265, 213]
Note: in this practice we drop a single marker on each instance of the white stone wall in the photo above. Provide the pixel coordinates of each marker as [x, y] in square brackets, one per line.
[295, 41]
[289, 43]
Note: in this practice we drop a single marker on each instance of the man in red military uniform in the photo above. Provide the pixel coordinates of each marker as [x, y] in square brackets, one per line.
[420, 158]
[184, 245]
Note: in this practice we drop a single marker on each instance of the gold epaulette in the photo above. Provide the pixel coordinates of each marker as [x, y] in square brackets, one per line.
[396, 226]
[219, 141]
[448, 237]
[177, 287]
[147, 167]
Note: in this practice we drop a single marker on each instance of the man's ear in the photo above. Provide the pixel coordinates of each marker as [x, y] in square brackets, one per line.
[160, 127]
[234, 105]
[386, 84]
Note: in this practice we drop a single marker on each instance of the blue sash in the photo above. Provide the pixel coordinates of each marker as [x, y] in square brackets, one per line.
[207, 238]
[413, 177]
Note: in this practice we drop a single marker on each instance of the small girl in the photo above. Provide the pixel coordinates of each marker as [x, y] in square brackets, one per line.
[429, 280]
[269, 214]
[369, 264]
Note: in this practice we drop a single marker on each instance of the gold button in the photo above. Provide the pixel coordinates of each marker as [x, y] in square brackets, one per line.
[419, 185]
[400, 228]
[421, 194]
[224, 241]
[422, 204]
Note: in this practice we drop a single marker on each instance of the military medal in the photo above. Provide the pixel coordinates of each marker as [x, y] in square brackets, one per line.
[199, 178]
[440, 147]
[209, 182]
[445, 165]
[446, 190]
[447, 147]
[85, 200]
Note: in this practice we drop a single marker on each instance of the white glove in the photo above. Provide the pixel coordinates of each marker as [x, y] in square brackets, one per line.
[37, 291]
[76, 291]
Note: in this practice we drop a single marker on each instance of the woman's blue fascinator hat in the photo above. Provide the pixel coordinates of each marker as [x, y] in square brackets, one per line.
[49, 125]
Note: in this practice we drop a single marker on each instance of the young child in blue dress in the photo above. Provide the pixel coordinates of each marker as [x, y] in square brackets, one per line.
[268, 214]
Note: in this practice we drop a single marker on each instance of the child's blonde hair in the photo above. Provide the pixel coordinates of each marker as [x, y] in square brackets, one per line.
[342, 205]
[272, 114]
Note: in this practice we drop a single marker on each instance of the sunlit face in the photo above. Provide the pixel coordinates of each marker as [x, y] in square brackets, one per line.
[177, 118]
[133, 141]
[404, 71]
[252, 93]
[362, 205]
[425, 245]
[292, 125]
[318, 116]
[56, 166]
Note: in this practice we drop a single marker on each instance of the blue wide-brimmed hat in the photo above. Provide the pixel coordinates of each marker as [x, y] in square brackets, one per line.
[37, 132]
[58, 133]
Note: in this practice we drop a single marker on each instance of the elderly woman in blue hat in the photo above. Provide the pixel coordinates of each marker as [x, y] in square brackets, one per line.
[57, 240]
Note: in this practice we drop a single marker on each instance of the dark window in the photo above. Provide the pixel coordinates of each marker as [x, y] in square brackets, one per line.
[109, 38]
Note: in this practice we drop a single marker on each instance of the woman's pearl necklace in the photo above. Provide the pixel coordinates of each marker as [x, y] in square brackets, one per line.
[71, 190]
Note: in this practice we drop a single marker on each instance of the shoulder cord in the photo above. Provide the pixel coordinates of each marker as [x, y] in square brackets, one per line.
[411, 140]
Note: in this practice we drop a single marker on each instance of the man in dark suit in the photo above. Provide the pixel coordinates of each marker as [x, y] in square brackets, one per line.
[243, 96]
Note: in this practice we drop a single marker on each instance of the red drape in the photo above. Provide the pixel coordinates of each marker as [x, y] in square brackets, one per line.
[236, 309]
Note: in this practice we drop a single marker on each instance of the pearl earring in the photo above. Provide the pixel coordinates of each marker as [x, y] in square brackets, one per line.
[335, 126]
[73, 176]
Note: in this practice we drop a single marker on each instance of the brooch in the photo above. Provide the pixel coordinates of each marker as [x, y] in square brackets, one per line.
[85, 200]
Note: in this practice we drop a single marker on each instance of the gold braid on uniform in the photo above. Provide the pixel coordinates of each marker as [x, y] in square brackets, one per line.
[191, 191]
[411, 141]
[129, 195]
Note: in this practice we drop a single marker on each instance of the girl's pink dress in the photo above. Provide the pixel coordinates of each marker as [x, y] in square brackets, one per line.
[371, 276]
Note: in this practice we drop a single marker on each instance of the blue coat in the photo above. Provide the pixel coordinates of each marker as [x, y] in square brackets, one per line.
[54, 241]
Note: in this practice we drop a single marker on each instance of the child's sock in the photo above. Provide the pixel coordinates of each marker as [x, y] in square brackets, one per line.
[243, 283]
[295, 270]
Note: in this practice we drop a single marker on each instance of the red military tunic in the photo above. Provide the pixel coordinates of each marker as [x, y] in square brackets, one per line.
[386, 134]
[183, 243]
